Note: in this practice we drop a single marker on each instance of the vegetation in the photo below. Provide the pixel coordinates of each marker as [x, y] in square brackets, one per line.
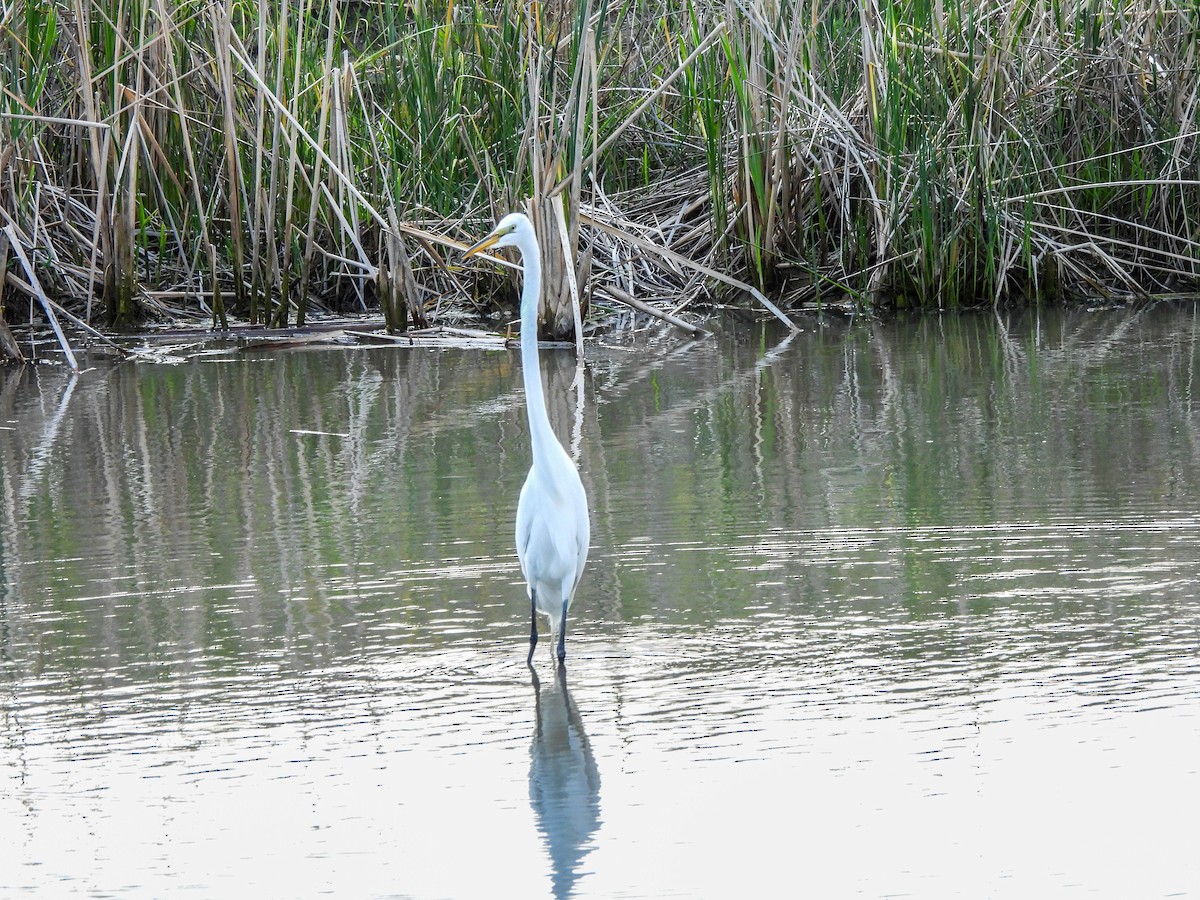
[254, 161]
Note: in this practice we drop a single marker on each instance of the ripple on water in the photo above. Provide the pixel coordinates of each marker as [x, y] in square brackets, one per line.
[901, 641]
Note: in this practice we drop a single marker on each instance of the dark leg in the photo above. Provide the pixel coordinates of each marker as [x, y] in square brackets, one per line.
[533, 624]
[562, 635]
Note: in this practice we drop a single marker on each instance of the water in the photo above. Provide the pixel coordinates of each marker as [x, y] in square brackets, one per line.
[882, 610]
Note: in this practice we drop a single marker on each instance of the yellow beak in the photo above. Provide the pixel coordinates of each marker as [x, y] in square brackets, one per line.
[482, 245]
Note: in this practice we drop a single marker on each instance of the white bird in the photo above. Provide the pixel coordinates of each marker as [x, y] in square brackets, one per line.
[552, 514]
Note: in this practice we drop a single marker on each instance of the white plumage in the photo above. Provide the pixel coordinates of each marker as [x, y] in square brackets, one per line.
[552, 514]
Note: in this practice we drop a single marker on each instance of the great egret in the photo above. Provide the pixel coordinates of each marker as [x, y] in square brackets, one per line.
[552, 513]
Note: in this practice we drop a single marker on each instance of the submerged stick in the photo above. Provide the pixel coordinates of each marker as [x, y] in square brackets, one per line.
[629, 300]
[8, 343]
[70, 316]
[47, 304]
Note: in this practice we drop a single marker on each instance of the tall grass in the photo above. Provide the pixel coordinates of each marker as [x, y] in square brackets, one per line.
[254, 160]
[950, 153]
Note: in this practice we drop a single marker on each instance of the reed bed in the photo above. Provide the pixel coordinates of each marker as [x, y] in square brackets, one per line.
[256, 162]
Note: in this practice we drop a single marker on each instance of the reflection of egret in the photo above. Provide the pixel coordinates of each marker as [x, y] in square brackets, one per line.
[564, 783]
[552, 514]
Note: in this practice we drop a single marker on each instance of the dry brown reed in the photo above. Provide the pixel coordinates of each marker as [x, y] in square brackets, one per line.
[229, 161]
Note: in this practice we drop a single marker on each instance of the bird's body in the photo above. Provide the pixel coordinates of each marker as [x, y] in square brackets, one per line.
[552, 514]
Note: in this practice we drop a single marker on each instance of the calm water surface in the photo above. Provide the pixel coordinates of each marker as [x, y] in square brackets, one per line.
[882, 610]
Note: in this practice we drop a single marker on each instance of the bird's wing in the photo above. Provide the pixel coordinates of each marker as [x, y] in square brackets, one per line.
[583, 535]
[525, 513]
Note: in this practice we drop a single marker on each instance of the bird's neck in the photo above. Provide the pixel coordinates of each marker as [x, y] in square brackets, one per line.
[541, 435]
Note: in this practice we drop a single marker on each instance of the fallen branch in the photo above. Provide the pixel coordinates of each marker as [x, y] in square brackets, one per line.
[682, 260]
[47, 304]
[621, 296]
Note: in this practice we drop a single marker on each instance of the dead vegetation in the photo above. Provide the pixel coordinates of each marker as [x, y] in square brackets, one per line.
[227, 162]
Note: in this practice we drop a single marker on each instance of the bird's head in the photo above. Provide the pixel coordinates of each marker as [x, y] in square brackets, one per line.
[505, 234]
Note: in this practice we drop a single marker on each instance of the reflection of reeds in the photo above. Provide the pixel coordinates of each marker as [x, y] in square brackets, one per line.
[156, 492]
[211, 504]
[253, 158]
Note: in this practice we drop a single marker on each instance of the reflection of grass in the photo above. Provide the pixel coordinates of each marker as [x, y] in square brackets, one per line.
[252, 157]
[171, 516]
[213, 505]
